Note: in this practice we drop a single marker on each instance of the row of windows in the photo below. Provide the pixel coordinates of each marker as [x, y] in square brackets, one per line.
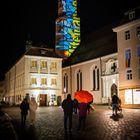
[43, 81]
[79, 79]
[44, 67]
[95, 79]
[43, 64]
[128, 35]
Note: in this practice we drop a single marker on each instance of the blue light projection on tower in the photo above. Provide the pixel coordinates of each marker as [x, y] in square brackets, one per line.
[67, 27]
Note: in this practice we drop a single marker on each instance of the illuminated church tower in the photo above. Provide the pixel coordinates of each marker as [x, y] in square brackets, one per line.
[67, 28]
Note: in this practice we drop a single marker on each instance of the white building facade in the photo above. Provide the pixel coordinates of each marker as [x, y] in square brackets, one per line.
[35, 75]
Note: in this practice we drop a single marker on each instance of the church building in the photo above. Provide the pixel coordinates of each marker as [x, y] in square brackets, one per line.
[107, 62]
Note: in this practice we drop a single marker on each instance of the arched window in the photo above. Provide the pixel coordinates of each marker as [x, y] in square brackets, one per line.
[79, 80]
[65, 82]
[96, 83]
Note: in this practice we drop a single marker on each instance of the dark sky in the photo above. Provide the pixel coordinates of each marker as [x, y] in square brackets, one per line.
[37, 19]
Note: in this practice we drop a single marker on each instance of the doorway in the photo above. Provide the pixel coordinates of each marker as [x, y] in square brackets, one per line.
[43, 99]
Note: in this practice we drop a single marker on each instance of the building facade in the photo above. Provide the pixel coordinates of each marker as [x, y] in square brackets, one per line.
[38, 73]
[128, 36]
[108, 63]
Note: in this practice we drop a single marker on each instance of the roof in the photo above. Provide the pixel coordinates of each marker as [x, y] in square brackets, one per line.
[127, 18]
[97, 44]
[45, 52]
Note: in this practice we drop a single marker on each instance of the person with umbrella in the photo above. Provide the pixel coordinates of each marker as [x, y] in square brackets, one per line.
[83, 110]
[84, 99]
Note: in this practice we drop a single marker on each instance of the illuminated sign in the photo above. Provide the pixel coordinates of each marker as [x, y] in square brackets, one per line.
[67, 27]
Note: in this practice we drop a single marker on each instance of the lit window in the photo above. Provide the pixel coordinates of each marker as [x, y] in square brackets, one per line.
[128, 96]
[43, 64]
[34, 64]
[53, 81]
[127, 57]
[33, 81]
[138, 31]
[136, 96]
[127, 35]
[53, 67]
[129, 75]
[43, 81]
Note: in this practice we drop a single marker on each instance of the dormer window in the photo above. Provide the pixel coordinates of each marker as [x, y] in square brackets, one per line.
[131, 15]
[43, 52]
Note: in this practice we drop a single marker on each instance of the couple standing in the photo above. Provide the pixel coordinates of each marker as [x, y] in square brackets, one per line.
[32, 107]
[68, 106]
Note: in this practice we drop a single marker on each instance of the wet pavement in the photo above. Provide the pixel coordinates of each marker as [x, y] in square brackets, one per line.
[100, 125]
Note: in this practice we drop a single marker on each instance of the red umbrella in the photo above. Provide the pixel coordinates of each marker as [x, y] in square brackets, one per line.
[83, 96]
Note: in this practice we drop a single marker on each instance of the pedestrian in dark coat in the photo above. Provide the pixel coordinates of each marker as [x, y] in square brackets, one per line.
[83, 110]
[24, 106]
[67, 106]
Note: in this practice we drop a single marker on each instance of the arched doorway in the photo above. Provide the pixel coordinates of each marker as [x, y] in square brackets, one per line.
[114, 90]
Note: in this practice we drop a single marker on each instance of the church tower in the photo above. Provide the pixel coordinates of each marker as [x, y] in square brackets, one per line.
[67, 28]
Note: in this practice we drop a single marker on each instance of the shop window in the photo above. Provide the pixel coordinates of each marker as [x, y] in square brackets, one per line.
[128, 96]
[136, 96]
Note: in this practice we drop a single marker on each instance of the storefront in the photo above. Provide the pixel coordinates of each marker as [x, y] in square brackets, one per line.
[130, 98]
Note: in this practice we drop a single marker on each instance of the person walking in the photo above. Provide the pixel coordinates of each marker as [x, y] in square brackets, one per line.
[24, 107]
[32, 108]
[115, 102]
[67, 106]
[83, 110]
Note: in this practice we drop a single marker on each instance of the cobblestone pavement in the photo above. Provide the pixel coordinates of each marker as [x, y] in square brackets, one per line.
[101, 125]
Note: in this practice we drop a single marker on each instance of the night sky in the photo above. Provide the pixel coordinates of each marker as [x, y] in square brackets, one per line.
[36, 20]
